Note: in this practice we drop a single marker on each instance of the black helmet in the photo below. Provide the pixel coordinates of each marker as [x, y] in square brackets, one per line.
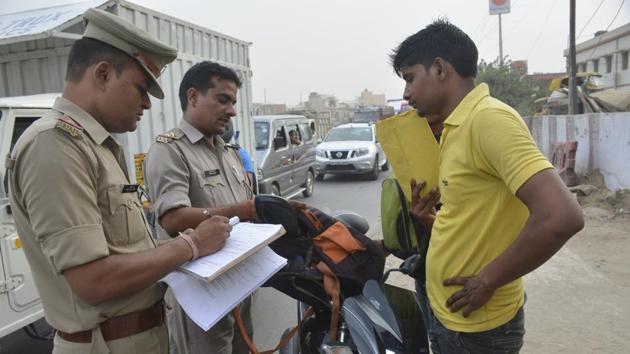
[271, 209]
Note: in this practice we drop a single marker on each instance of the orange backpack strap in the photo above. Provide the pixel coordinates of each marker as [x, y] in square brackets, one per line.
[236, 312]
[312, 218]
[332, 287]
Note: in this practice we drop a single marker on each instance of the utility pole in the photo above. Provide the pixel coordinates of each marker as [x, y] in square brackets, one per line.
[499, 7]
[572, 66]
[500, 42]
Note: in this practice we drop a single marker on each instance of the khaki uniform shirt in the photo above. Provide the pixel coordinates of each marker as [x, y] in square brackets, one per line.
[184, 170]
[70, 208]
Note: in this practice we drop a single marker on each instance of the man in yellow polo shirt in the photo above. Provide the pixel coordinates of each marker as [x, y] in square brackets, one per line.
[505, 210]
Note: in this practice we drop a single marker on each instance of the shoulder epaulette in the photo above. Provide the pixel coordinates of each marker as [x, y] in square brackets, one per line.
[232, 146]
[69, 126]
[166, 137]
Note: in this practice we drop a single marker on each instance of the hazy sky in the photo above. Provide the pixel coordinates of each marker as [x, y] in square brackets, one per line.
[341, 47]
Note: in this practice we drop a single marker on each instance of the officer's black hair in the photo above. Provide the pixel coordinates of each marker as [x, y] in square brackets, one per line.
[87, 51]
[200, 76]
[439, 39]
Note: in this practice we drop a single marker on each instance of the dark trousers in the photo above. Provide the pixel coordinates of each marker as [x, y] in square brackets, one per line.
[506, 339]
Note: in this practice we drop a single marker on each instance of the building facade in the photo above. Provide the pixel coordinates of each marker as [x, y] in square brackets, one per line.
[268, 109]
[606, 54]
[367, 98]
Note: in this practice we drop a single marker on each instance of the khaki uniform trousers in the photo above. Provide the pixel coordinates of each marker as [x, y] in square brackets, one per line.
[153, 341]
[222, 338]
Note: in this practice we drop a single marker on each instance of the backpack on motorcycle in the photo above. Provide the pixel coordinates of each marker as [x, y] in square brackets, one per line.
[328, 260]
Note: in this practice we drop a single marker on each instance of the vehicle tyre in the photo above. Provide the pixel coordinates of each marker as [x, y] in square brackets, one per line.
[373, 175]
[292, 346]
[309, 184]
[275, 190]
[320, 177]
[385, 167]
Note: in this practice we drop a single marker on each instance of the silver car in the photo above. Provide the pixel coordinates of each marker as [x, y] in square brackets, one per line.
[285, 154]
[350, 149]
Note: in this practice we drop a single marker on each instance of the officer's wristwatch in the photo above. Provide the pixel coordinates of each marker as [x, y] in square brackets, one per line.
[206, 212]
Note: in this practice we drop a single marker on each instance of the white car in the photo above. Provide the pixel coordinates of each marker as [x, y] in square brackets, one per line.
[350, 149]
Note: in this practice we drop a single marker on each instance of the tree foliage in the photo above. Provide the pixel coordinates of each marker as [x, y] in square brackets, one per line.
[509, 85]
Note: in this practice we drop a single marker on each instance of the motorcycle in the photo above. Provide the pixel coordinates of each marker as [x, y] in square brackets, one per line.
[381, 319]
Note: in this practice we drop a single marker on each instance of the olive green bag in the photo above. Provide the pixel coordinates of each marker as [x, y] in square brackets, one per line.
[402, 235]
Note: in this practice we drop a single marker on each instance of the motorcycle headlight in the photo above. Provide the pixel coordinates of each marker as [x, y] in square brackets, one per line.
[320, 152]
[361, 152]
[259, 174]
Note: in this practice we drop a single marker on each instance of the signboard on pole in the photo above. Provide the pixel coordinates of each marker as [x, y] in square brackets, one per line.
[498, 7]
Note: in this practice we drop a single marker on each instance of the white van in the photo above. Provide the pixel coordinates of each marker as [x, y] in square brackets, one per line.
[285, 153]
[19, 300]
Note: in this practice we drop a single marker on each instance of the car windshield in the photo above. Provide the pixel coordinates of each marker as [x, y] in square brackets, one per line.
[350, 134]
[262, 135]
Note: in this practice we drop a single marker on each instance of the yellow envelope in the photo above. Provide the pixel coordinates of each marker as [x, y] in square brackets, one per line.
[411, 149]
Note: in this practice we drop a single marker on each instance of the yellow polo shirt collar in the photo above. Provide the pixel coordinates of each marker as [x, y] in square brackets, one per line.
[463, 109]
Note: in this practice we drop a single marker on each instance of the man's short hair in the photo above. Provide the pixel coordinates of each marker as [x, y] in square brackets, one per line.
[87, 51]
[200, 76]
[439, 39]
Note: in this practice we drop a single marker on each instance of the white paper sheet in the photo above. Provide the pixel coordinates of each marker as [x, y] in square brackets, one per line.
[207, 302]
[245, 238]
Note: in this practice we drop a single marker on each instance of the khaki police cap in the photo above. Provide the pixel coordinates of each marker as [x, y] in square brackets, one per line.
[151, 54]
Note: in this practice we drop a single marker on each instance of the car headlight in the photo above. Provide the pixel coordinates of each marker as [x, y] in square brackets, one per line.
[361, 152]
[320, 152]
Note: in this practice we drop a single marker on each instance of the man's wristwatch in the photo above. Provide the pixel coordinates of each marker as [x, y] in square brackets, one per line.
[206, 212]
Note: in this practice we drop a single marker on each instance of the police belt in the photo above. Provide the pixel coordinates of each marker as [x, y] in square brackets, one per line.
[122, 326]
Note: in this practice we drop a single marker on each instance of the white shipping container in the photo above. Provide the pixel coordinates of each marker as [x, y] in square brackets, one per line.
[34, 47]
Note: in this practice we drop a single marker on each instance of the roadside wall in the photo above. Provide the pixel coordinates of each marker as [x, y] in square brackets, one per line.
[603, 142]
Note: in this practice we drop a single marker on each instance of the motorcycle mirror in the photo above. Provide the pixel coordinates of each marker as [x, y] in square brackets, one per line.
[360, 327]
[352, 219]
[377, 308]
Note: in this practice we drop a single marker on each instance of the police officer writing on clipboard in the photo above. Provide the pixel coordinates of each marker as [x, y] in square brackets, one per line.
[192, 174]
[82, 226]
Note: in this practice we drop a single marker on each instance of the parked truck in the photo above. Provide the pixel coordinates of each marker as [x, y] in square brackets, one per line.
[34, 47]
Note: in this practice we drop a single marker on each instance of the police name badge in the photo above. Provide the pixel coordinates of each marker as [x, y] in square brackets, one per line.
[129, 188]
[211, 173]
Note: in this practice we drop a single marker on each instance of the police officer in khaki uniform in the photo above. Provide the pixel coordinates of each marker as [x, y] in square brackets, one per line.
[83, 228]
[191, 174]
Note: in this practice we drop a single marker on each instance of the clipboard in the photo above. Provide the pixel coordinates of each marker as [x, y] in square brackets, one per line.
[411, 149]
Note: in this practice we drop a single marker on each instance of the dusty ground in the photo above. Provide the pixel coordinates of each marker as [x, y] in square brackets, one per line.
[579, 301]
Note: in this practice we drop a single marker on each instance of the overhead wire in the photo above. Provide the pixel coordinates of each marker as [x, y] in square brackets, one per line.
[617, 14]
[590, 19]
[519, 22]
[493, 26]
[542, 29]
[480, 25]
[606, 30]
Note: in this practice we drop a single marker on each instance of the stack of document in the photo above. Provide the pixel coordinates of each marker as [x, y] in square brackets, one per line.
[245, 240]
[211, 286]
